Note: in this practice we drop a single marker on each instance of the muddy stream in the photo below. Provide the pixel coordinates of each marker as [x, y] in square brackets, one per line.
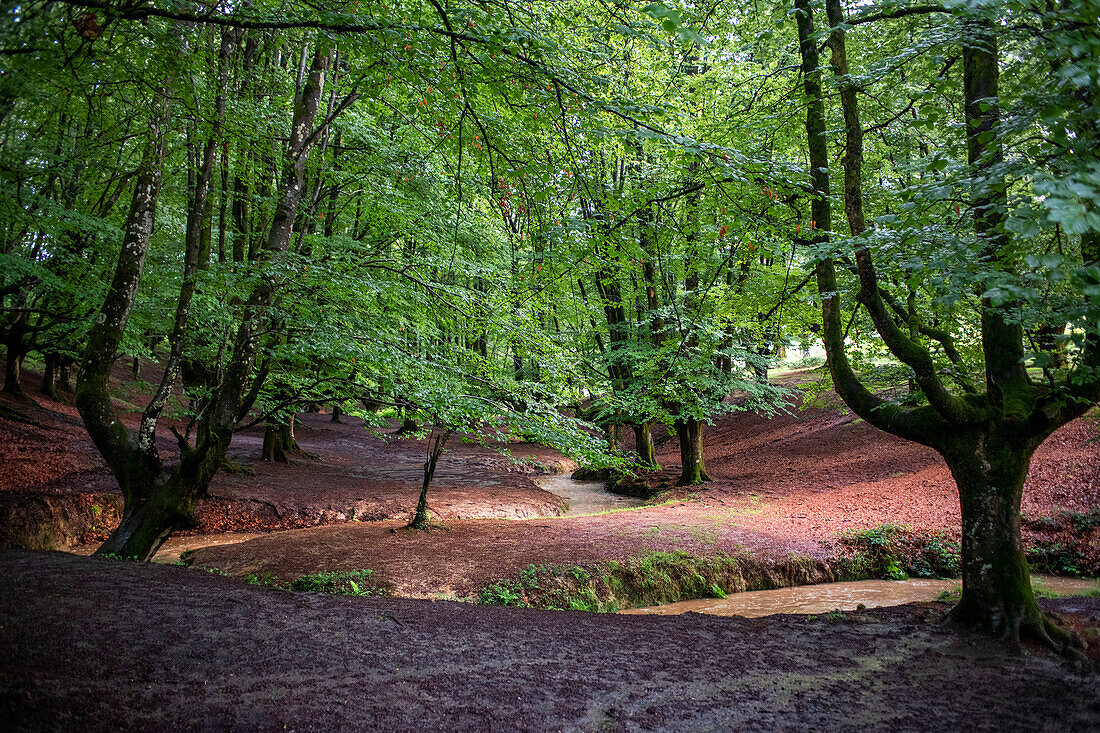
[825, 597]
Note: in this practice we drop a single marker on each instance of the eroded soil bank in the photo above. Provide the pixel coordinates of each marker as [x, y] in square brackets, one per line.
[98, 645]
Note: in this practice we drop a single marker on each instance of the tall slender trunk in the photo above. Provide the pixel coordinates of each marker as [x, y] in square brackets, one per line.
[421, 517]
[146, 488]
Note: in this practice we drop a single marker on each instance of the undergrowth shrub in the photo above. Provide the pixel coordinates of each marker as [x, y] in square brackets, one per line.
[896, 552]
[336, 582]
[1065, 543]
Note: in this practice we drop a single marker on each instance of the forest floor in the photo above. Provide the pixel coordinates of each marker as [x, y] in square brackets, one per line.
[95, 644]
[781, 486]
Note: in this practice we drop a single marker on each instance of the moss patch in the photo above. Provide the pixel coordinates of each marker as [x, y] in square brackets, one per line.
[649, 580]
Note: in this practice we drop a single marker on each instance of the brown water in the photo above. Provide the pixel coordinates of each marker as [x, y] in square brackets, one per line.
[586, 497]
[825, 597]
[171, 550]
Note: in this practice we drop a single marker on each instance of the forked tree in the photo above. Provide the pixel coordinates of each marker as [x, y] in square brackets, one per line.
[161, 497]
[986, 436]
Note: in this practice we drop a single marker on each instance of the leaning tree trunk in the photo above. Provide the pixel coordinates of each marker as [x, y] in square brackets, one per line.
[421, 517]
[643, 441]
[692, 471]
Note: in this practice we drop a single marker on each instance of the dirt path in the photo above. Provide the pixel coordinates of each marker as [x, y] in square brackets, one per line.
[100, 645]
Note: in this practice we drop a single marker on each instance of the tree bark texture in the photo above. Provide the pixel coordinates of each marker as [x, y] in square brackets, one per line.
[689, 431]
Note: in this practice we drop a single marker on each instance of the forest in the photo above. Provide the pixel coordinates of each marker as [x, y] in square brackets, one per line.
[618, 237]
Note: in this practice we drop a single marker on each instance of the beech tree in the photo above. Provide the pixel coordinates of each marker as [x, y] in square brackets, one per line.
[986, 436]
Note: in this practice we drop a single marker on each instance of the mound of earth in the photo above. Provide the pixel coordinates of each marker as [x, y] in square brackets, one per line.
[99, 645]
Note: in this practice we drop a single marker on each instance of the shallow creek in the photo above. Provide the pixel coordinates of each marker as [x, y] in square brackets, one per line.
[825, 597]
[586, 497]
[174, 547]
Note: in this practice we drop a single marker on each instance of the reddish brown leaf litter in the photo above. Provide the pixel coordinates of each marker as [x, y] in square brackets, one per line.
[784, 485]
[89, 644]
[781, 485]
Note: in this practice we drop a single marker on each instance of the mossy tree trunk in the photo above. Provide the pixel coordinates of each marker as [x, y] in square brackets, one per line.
[990, 472]
[987, 439]
[279, 441]
[689, 431]
[643, 444]
[158, 498]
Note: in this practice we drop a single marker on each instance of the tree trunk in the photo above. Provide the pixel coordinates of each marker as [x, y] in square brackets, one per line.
[162, 502]
[49, 376]
[65, 375]
[990, 472]
[13, 372]
[279, 441]
[643, 441]
[692, 471]
[408, 425]
[157, 499]
[337, 411]
[421, 518]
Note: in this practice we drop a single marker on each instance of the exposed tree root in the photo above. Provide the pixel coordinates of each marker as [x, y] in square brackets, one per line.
[233, 468]
[1032, 625]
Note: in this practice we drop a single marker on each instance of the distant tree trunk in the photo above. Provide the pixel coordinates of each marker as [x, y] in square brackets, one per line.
[49, 376]
[643, 441]
[279, 441]
[692, 470]
[65, 375]
[408, 425]
[337, 411]
[421, 518]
